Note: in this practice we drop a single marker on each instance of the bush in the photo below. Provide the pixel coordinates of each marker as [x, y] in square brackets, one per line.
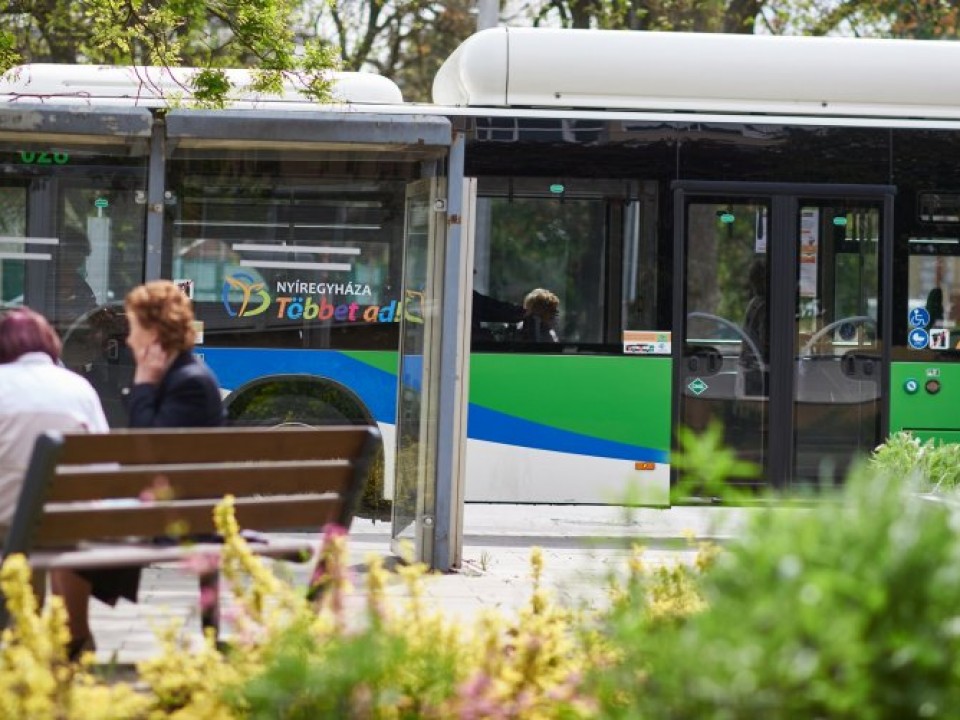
[849, 610]
[296, 657]
[934, 466]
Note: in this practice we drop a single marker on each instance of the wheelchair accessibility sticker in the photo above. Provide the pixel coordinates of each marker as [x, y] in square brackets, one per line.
[919, 317]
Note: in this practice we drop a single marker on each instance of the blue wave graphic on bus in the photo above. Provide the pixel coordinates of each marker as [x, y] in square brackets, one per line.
[376, 388]
[498, 427]
[378, 391]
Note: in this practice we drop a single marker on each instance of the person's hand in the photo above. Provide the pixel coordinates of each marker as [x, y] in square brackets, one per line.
[152, 364]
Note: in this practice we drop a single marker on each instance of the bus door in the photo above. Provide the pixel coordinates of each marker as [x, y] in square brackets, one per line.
[782, 309]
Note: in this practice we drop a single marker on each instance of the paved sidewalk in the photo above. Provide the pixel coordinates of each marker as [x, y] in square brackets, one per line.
[582, 547]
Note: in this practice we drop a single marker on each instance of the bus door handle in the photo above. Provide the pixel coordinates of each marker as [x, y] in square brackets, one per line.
[704, 361]
[860, 366]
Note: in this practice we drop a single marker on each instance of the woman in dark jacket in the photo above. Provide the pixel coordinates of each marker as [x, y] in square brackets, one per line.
[171, 388]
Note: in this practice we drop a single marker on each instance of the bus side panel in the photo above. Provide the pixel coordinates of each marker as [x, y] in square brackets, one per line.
[569, 429]
[925, 413]
[548, 429]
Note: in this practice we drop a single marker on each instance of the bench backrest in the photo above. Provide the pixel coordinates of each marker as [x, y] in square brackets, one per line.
[148, 483]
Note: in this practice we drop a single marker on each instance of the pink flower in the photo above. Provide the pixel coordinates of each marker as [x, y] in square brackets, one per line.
[209, 597]
[201, 563]
[331, 531]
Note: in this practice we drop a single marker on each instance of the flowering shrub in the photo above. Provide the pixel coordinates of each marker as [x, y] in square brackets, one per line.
[298, 654]
[36, 679]
[846, 610]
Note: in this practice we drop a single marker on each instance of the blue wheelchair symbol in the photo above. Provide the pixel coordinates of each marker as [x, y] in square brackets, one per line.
[919, 317]
[918, 339]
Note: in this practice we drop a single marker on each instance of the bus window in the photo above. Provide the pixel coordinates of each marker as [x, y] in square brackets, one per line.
[579, 241]
[934, 290]
[288, 254]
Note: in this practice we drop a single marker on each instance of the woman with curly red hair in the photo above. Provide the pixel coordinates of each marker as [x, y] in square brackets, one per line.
[171, 388]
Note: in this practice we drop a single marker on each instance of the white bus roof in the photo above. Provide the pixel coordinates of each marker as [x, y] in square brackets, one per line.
[703, 72]
[156, 87]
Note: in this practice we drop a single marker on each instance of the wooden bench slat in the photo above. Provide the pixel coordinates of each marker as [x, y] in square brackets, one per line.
[74, 483]
[213, 444]
[73, 522]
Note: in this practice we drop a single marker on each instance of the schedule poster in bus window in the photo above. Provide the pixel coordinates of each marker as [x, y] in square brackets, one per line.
[646, 342]
[809, 242]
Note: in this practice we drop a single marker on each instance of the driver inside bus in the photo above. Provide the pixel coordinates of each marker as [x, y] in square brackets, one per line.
[74, 296]
[541, 309]
[753, 359]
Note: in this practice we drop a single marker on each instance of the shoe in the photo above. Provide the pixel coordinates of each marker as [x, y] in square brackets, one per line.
[78, 646]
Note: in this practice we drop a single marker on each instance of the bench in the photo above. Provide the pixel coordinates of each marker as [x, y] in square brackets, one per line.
[82, 503]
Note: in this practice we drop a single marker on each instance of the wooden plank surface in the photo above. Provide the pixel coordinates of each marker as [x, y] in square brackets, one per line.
[200, 445]
[68, 523]
[194, 480]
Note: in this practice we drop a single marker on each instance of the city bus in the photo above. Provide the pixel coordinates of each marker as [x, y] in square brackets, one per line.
[758, 233]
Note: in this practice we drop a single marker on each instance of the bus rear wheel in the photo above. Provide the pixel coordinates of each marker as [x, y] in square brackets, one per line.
[309, 401]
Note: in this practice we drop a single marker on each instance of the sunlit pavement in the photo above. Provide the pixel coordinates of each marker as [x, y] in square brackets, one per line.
[582, 548]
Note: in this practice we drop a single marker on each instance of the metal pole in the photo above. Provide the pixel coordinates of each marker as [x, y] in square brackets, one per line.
[454, 372]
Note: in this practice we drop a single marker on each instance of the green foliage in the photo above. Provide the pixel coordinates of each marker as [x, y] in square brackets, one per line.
[372, 502]
[901, 455]
[208, 34]
[401, 39]
[848, 610]
[210, 88]
[306, 678]
[933, 466]
[8, 51]
[707, 464]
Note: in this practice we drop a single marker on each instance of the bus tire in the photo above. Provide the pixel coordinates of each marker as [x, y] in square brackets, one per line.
[308, 400]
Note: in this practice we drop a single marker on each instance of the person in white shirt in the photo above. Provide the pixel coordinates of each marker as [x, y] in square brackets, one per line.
[37, 394]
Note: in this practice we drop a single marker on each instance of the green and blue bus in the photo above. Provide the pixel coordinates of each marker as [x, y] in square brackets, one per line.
[762, 232]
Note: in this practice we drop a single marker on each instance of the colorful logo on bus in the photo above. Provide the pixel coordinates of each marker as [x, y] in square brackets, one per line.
[298, 300]
[251, 289]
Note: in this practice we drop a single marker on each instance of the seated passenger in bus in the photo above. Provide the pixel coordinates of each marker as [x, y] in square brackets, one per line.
[541, 309]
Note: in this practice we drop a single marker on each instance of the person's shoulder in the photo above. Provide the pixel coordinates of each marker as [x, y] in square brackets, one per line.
[189, 368]
[69, 379]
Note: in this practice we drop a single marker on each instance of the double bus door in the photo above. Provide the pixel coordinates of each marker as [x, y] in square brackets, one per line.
[782, 308]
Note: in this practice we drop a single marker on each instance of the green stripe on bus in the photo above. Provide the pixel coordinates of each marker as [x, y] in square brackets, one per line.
[619, 398]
